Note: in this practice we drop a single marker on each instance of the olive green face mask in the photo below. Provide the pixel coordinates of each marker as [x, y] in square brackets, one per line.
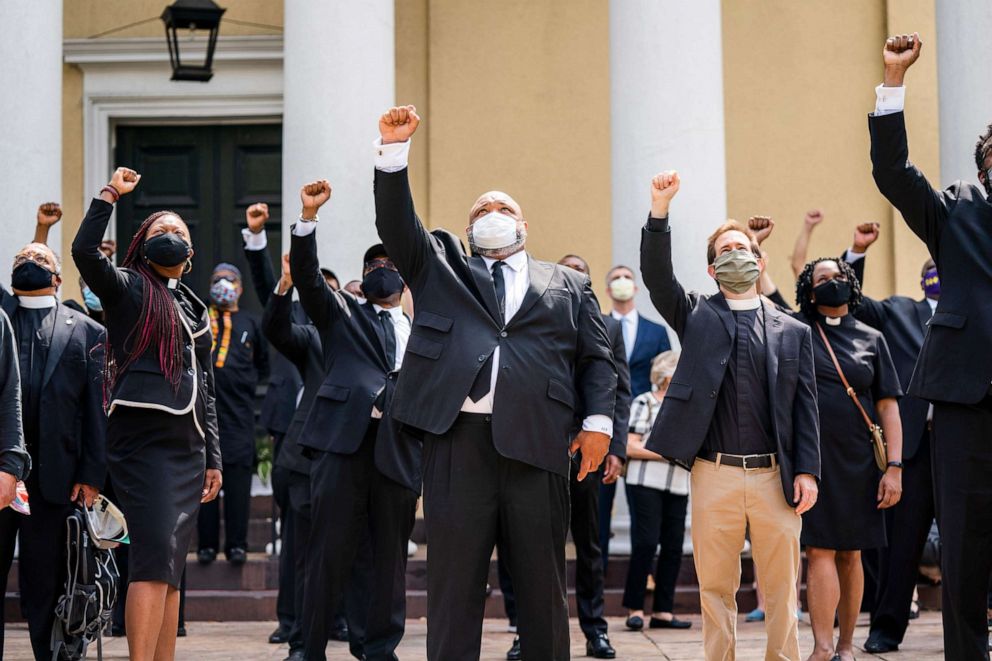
[736, 270]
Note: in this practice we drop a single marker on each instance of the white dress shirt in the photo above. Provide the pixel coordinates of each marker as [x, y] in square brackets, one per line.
[889, 100]
[628, 324]
[401, 328]
[254, 241]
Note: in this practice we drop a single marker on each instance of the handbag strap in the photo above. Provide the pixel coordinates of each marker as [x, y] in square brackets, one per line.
[847, 386]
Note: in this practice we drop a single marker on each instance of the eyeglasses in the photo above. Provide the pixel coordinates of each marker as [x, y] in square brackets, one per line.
[378, 263]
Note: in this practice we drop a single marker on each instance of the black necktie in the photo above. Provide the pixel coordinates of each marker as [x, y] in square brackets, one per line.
[481, 386]
[389, 333]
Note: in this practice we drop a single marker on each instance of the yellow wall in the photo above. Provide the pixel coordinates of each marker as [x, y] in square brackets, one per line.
[798, 84]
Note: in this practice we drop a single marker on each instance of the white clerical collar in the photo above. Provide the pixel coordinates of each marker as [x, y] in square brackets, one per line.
[172, 283]
[396, 312]
[36, 302]
[833, 321]
[517, 261]
[739, 304]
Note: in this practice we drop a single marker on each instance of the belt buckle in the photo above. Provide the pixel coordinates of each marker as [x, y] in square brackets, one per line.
[744, 462]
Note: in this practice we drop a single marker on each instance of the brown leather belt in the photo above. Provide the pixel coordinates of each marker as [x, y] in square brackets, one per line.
[747, 462]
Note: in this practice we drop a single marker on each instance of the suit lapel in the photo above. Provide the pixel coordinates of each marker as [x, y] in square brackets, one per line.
[719, 304]
[924, 314]
[639, 336]
[373, 319]
[540, 279]
[61, 334]
[484, 284]
[773, 342]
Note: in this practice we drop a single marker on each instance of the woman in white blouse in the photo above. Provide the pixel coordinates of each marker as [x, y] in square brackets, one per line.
[658, 494]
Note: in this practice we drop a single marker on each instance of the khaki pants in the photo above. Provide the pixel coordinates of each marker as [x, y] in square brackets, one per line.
[725, 501]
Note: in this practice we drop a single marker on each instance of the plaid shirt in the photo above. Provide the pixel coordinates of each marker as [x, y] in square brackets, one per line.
[655, 474]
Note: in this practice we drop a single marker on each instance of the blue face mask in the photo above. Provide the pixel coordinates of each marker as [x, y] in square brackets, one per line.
[91, 300]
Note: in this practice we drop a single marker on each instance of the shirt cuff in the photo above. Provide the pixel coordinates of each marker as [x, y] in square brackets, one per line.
[850, 256]
[392, 157]
[304, 227]
[889, 100]
[254, 241]
[598, 423]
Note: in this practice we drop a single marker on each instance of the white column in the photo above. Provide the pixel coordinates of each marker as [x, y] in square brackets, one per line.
[339, 78]
[31, 108]
[964, 55]
[666, 104]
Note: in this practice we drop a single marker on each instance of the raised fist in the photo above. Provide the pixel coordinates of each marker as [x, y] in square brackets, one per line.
[124, 180]
[256, 215]
[813, 218]
[314, 195]
[398, 124]
[49, 213]
[865, 234]
[108, 247]
[762, 227]
[664, 186]
[902, 50]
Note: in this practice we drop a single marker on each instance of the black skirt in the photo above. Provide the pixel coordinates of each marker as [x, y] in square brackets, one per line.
[157, 463]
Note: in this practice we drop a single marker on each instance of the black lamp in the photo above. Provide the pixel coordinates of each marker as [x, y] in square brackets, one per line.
[191, 15]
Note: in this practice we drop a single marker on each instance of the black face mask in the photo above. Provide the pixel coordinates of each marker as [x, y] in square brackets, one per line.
[167, 250]
[382, 283]
[833, 293]
[30, 276]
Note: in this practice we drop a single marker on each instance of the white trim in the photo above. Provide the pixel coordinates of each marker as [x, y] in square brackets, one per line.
[151, 49]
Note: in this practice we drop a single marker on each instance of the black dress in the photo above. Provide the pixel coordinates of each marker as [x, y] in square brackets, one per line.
[846, 515]
[161, 436]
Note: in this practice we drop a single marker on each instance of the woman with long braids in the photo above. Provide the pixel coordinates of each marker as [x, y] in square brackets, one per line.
[163, 453]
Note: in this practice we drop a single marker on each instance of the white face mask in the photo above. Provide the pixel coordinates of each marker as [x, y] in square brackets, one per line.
[493, 231]
[622, 289]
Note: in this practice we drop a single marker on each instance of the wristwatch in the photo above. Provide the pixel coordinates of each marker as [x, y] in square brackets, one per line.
[895, 464]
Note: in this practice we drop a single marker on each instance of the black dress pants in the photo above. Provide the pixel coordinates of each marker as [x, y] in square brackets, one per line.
[584, 500]
[237, 507]
[473, 496]
[351, 501]
[908, 525]
[285, 601]
[962, 464]
[607, 494]
[657, 517]
[41, 566]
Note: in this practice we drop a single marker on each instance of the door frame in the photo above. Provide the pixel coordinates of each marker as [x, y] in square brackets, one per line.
[127, 81]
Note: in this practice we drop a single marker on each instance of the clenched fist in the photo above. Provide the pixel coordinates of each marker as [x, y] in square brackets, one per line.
[899, 54]
[49, 213]
[813, 218]
[313, 196]
[865, 234]
[124, 180]
[256, 215]
[762, 227]
[664, 186]
[398, 124]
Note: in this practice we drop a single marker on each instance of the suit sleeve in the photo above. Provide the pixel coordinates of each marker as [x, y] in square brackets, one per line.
[924, 209]
[595, 368]
[288, 338]
[92, 466]
[261, 353]
[779, 301]
[621, 412]
[263, 277]
[322, 305]
[667, 293]
[406, 240]
[107, 281]
[805, 414]
[210, 429]
[14, 457]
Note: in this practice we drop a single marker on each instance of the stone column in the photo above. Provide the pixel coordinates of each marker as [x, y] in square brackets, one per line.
[31, 108]
[339, 77]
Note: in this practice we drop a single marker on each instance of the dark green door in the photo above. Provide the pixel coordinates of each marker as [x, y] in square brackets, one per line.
[208, 175]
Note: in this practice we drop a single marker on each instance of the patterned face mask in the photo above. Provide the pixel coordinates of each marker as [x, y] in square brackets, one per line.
[223, 292]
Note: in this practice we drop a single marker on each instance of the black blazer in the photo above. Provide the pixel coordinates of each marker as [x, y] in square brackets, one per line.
[354, 372]
[14, 457]
[705, 325]
[555, 357]
[955, 363]
[142, 384]
[621, 411]
[72, 427]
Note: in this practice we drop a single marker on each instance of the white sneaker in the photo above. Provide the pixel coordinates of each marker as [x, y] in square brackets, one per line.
[411, 548]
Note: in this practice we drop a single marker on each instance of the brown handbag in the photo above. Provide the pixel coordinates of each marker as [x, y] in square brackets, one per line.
[877, 438]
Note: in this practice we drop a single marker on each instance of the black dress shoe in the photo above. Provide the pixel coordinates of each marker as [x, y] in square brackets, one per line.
[181, 632]
[296, 655]
[206, 556]
[599, 647]
[674, 623]
[514, 653]
[237, 556]
[279, 636]
[635, 623]
[875, 646]
[340, 634]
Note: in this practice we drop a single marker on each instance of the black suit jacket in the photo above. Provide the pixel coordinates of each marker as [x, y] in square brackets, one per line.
[621, 411]
[354, 373]
[556, 362]
[706, 327]
[72, 427]
[14, 458]
[142, 384]
[955, 363]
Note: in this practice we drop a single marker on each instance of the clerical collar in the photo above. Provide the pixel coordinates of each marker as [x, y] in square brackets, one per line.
[36, 302]
[172, 283]
[833, 321]
[740, 304]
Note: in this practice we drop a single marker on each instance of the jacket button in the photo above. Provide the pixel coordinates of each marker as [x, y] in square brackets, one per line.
[189, 347]
[723, 362]
[190, 371]
[712, 394]
[482, 359]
